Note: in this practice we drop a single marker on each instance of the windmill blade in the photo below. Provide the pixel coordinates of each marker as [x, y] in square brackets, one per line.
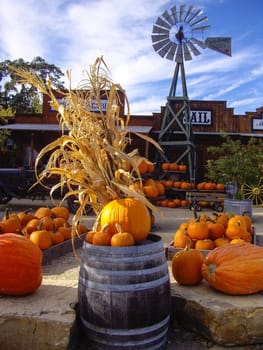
[199, 43]
[200, 21]
[161, 44]
[168, 17]
[201, 28]
[160, 37]
[190, 10]
[222, 45]
[160, 22]
[182, 7]
[165, 49]
[198, 13]
[171, 53]
[159, 30]
[187, 54]
[174, 14]
[195, 51]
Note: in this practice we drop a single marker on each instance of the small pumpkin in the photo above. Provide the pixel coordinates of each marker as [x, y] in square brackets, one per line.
[20, 265]
[10, 223]
[131, 214]
[41, 238]
[235, 269]
[197, 229]
[221, 241]
[102, 237]
[204, 244]
[42, 212]
[122, 239]
[187, 266]
[66, 231]
[56, 236]
[151, 191]
[61, 212]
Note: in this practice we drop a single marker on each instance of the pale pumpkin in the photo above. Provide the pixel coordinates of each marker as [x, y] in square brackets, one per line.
[235, 269]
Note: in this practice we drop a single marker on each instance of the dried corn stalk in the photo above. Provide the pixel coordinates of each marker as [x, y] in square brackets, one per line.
[87, 157]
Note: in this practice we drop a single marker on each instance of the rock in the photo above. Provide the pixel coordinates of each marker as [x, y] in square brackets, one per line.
[39, 321]
[223, 319]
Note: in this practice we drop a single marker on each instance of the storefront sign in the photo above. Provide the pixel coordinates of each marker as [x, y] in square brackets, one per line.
[257, 123]
[93, 107]
[200, 118]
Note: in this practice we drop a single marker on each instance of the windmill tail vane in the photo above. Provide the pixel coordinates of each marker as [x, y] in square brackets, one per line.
[178, 33]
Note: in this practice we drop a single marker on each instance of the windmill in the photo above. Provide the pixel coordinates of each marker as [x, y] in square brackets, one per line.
[178, 35]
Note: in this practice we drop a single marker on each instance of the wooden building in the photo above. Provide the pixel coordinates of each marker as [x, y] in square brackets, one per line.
[209, 120]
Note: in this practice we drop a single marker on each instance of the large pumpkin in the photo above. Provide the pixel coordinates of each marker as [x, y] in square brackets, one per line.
[20, 265]
[131, 214]
[235, 269]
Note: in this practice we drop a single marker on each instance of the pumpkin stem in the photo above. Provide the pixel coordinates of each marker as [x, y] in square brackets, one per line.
[118, 227]
[188, 244]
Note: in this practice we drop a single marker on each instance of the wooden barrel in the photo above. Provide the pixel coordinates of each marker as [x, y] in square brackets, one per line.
[124, 296]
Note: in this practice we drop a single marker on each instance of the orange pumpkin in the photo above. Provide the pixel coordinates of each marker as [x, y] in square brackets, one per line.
[125, 212]
[101, 237]
[235, 269]
[20, 265]
[25, 216]
[187, 266]
[122, 239]
[151, 191]
[201, 186]
[141, 163]
[180, 239]
[220, 187]
[221, 241]
[161, 188]
[215, 229]
[165, 166]
[41, 238]
[204, 244]
[56, 236]
[42, 212]
[238, 231]
[197, 229]
[182, 167]
[173, 166]
[66, 231]
[150, 166]
[61, 212]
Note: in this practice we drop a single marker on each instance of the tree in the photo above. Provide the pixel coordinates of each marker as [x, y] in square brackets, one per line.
[24, 98]
[236, 162]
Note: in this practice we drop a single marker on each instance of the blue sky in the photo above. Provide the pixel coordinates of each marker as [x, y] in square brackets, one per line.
[72, 33]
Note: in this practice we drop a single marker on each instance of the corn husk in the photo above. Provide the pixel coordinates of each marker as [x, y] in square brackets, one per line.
[87, 157]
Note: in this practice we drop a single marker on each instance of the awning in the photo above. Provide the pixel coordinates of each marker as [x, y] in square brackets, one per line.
[56, 127]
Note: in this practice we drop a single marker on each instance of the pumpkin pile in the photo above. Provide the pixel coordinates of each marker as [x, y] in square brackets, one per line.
[45, 227]
[208, 232]
[122, 222]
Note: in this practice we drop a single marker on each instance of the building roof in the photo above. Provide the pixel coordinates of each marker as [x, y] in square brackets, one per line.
[57, 127]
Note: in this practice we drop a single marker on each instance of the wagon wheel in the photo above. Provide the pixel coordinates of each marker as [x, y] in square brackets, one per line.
[255, 192]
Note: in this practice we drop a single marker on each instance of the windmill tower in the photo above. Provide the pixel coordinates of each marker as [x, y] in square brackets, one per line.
[177, 35]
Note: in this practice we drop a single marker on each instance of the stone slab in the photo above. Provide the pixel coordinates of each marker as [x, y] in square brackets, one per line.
[43, 320]
[223, 319]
